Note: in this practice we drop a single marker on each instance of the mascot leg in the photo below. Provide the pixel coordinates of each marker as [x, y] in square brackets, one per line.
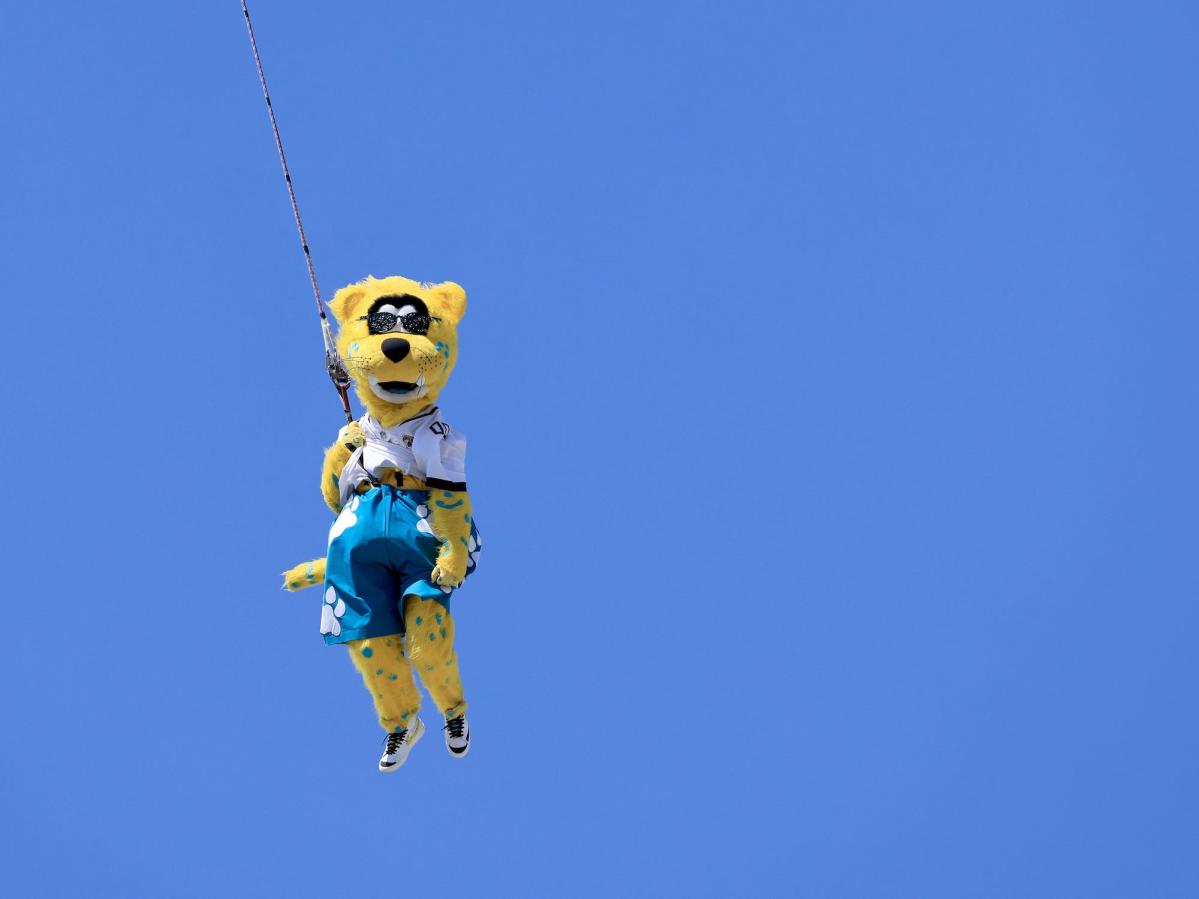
[430, 632]
[386, 673]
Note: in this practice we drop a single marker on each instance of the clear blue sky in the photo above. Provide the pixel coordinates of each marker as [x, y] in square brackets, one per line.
[831, 381]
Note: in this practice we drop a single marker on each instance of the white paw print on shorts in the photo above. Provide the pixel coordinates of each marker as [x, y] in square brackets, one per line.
[346, 520]
[331, 612]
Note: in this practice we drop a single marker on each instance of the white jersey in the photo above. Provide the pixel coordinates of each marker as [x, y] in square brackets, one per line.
[425, 447]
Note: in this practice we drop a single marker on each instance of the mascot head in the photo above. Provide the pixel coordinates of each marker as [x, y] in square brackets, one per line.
[399, 341]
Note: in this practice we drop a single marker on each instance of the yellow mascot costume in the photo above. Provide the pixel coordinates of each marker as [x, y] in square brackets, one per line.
[404, 538]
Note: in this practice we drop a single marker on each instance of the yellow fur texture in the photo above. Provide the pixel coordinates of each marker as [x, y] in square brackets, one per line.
[306, 574]
[387, 671]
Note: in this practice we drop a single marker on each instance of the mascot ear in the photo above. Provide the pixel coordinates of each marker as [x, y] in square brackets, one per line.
[344, 300]
[454, 298]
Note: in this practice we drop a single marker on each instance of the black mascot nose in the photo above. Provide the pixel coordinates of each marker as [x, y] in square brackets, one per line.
[395, 348]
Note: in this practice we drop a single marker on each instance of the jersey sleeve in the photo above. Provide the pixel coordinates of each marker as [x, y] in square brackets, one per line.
[442, 454]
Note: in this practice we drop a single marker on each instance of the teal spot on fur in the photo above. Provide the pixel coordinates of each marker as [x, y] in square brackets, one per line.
[378, 672]
[405, 715]
[419, 619]
[446, 494]
[466, 517]
[310, 574]
[295, 585]
[368, 652]
[336, 480]
[438, 617]
[392, 676]
[399, 730]
[428, 667]
[443, 633]
[432, 636]
[353, 347]
[462, 540]
[449, 505]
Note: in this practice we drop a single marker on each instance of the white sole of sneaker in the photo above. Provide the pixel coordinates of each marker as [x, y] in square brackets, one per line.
[414, 738]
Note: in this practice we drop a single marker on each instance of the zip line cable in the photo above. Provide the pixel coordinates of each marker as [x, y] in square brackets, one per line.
[333, 364]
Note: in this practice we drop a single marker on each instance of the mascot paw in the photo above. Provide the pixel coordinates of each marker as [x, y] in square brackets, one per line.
[350, 436]
[450, 570]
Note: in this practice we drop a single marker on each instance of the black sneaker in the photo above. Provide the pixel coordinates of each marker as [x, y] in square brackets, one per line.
[457, 736]
[398, 745]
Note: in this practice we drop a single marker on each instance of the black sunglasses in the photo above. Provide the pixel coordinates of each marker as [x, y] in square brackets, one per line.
[382, 322]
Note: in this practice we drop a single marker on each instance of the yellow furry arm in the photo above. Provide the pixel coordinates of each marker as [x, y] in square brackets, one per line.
[336, 457]
[449, 516]
[307, 574]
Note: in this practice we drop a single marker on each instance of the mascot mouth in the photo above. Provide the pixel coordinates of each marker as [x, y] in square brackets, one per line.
[398, 391]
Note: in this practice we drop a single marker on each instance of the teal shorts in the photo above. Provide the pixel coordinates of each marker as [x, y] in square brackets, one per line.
[381, 549]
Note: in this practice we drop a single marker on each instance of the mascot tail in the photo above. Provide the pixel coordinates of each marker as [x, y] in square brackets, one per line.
[306, 574]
